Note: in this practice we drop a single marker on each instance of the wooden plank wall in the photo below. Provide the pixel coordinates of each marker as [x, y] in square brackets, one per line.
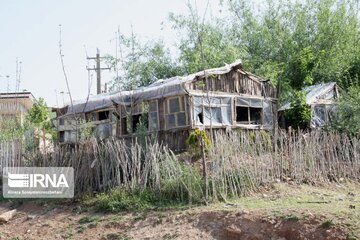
[236, 81]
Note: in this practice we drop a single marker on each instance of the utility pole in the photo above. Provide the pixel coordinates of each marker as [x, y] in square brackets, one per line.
[98, 69]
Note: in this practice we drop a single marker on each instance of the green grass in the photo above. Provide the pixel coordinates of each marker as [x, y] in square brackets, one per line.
[80, 229]
[87, 219]
[120, 200]
[328, 224]
[295, 202]
[116, 236]
[290, 217]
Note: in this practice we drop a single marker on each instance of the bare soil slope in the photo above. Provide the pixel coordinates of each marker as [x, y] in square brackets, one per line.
[282, 212]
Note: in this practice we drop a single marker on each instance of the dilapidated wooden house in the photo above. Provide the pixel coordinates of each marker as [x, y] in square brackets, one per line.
[223, 98]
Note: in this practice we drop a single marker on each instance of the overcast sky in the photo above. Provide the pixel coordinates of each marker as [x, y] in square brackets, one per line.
[30, 32]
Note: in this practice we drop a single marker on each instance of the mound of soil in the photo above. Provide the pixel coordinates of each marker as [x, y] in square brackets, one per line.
[36, 221]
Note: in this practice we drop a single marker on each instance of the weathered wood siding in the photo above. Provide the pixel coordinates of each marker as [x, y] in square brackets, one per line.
[236, 81]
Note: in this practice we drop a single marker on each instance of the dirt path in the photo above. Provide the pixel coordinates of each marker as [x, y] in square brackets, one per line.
[273, 215]
[36, 222]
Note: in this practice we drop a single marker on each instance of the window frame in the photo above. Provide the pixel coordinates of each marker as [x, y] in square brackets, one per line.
[249, 122]
[182, 110]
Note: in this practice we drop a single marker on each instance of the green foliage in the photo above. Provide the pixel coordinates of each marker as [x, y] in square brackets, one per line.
[347, 115]
[181, 183]
[328, 223]
[195, 140]
[185, 187]
[299, 115]
[38, 121]
[87, 219]
[292, 43]
[205, 45]
[122, 200]
[86, 130]
[11, 129]
[290, 217]
[142, 126]
[142, 63]
[119, 200]
[39, 114]
[301, 67]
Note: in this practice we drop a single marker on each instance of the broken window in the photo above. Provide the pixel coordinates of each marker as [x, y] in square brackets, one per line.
[103, 115]
[249, 111]
[175, 115]
[143, 114]
[200, 117]
[139, 119]
[255, 115]
[124, 126]
[61, 136]
[212, 111]
[248, 115]
[242, 114]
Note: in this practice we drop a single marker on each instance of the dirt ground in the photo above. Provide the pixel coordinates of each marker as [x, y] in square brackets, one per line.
[281, 212]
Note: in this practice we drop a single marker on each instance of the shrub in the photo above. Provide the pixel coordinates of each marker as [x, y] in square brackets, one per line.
[347, 115]
[299, 115]
[118, 200]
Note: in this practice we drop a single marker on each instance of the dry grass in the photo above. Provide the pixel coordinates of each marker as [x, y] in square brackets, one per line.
[239, 164]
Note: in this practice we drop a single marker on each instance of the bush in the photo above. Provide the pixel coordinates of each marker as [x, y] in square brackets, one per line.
[299, 115]
[119, 200]
[172, 194]
[347, 115]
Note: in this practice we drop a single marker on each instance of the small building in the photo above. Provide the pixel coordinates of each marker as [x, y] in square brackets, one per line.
[14, 106]
[13, 109]
[222, 99]
[321, 98]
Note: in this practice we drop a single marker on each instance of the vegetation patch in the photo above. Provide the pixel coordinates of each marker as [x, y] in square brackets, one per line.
[328, 223]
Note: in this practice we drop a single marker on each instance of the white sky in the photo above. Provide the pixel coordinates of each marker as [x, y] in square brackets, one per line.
[30, 32]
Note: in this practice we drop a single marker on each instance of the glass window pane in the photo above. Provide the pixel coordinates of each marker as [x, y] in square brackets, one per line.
[212, 115]
[181, 119]
[153, 121]
[170, 121]
[174, 105]
[153, 106]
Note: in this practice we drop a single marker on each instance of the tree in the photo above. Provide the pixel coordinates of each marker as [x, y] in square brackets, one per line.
[142, 63]
[324, 33]
[11, 129]
[38, 119]
[299, 115]
[212, 41]
[347, 114]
